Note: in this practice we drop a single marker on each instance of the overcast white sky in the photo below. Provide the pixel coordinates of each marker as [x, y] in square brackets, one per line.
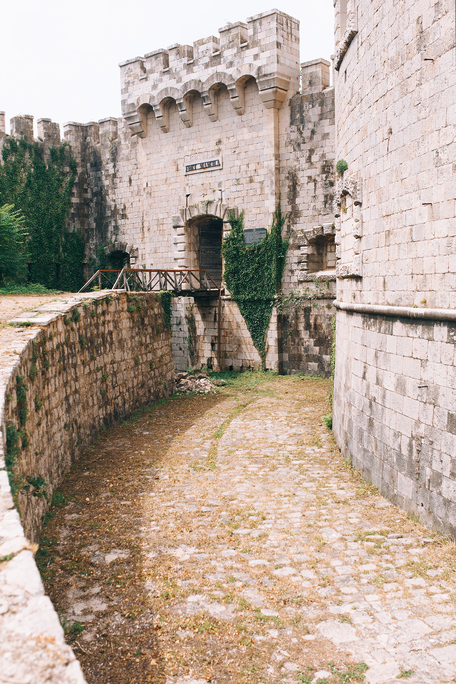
[60, 59]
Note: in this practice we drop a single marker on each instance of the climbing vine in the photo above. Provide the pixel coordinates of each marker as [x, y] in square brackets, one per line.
[253, 275]
[13, 245]
[165, 300]
[39, 186]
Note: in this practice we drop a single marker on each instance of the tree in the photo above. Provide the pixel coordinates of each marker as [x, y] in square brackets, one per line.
[13, 246]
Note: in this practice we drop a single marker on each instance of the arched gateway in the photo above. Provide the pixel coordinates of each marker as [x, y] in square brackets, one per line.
[198, 235]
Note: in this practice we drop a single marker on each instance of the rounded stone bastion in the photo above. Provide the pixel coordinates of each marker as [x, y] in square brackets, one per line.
[67, 371]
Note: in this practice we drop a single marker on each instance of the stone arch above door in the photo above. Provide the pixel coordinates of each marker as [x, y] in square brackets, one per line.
[118, 248]
[185, 247]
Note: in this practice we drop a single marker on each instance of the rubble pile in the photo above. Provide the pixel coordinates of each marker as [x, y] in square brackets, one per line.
[197, 382]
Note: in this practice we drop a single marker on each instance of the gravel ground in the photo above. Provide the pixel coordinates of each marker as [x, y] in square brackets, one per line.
[222, 538]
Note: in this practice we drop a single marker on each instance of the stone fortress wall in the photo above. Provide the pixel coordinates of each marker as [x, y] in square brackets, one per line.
[394, 398]
[192, 156]
[232, 123]
[82, 365]
[233, 100]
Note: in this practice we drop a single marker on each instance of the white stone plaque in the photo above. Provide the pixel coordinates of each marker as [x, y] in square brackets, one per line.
[197, 166]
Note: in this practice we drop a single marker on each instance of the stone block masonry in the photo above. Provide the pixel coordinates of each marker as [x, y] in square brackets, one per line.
[394, 405]
[395, 210]
[194, 325]
[82, 365]
[305, 338]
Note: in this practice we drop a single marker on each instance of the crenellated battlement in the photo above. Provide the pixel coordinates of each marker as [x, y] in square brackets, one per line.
[21, 126]
[265, 48]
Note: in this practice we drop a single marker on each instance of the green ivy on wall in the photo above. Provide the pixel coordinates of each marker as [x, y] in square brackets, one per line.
[13, 246]
[253, 275]
[40, 189]
[165, 300]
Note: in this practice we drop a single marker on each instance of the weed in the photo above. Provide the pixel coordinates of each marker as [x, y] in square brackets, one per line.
[23, 324]
[341, 166]
[74, 630]
[218, 434]
[58, 499]
[75, 317]
[38, 485]
[5, 559]
[211, 460]
[305, 679]
[328, 421]
[419, 568]
[30, 288]
[405, 674]
[21, 399]
[353, 673]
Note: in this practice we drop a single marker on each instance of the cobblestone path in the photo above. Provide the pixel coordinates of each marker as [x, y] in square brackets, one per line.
[223, 539]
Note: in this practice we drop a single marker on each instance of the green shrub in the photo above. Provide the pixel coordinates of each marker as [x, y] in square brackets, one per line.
[341, 166]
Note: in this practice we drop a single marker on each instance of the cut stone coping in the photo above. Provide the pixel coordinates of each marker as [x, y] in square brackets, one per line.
[398, 311]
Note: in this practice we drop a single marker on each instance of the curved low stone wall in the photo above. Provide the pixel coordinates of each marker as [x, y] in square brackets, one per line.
[67, 371]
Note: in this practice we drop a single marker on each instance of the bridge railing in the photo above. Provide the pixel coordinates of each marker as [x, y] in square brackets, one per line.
[154, 280]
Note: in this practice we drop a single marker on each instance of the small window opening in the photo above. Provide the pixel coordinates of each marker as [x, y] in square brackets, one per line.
[322, 256]
[330, 253]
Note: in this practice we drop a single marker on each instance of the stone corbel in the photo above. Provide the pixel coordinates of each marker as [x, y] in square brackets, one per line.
[273, 90]
[351, 270]
[273, 98]
[185, 109]
[162, 116]
[137, 123]
[348, 184]
[210, 104]
[237, 98]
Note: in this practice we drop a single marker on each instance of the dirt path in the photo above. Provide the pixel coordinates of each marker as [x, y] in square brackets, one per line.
[223, 539]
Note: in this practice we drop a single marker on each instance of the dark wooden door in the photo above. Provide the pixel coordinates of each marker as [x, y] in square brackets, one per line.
[210, 247]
